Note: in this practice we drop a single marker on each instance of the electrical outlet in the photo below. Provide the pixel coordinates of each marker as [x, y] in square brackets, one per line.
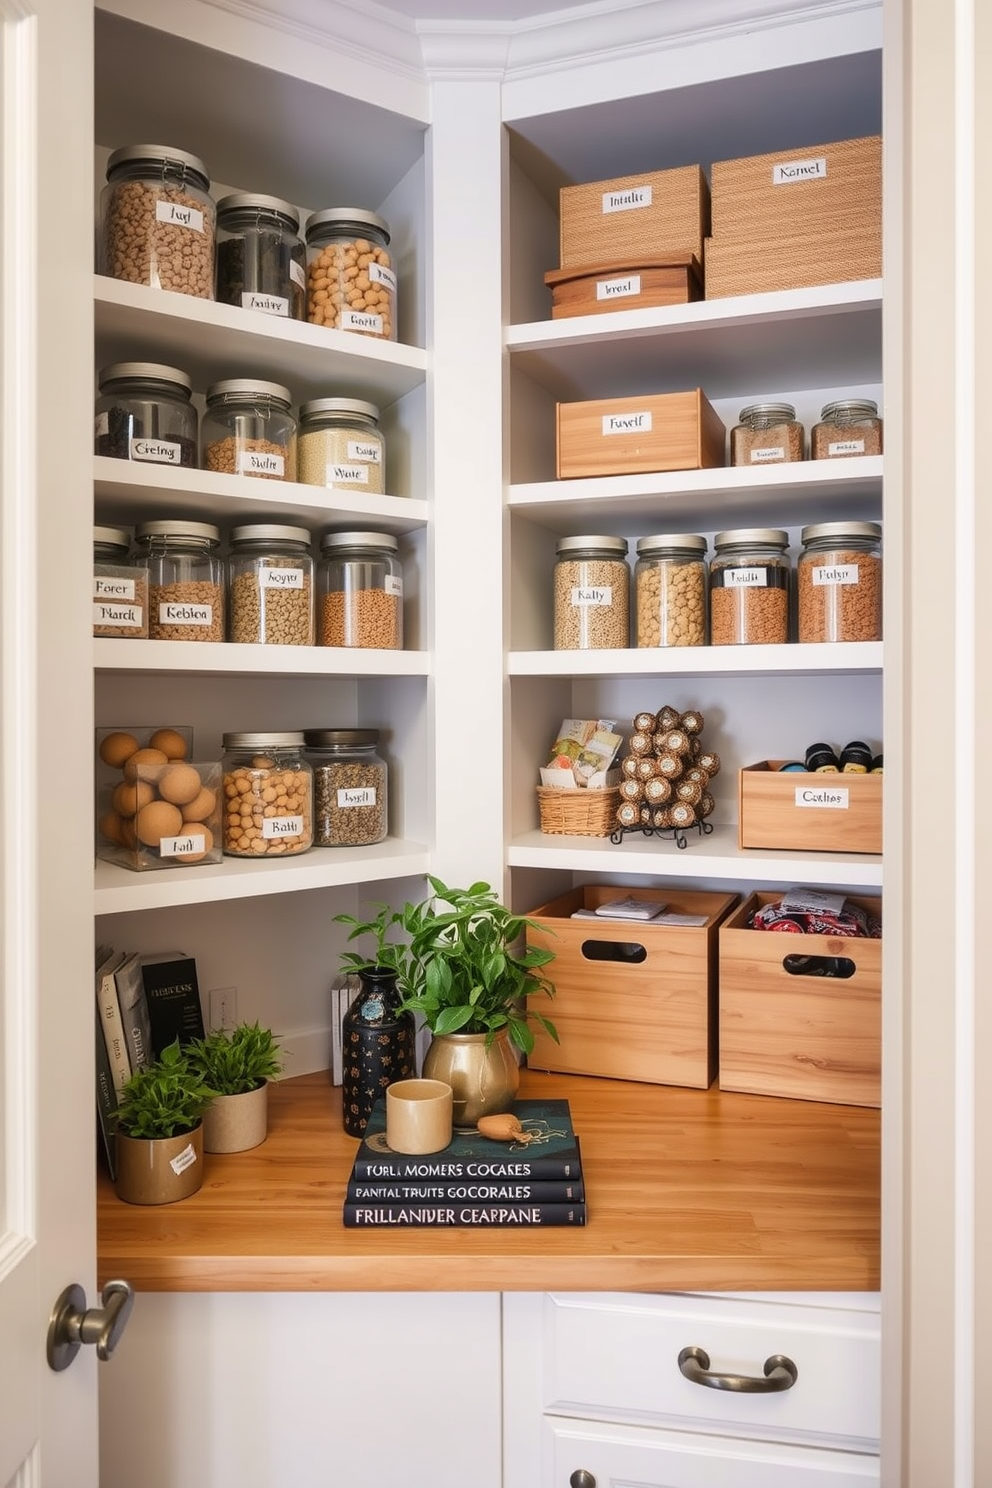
[223, 1007]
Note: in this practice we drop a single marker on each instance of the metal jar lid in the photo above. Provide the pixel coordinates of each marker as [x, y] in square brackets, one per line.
[191, 166]
[842, 531]
[262, 741]
[612, 545]
[153, 372]
[357, 738]
[682, 542]
[756, 537]
[247, 388]
[318, 406]
[782, 411]
[848, 408]
[114, 537]
[383, 540]
[166, 528]
[249, 203]
[269, 532]
[347, 217]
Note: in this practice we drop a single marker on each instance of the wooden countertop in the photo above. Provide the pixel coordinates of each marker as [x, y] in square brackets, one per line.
[687, 1190]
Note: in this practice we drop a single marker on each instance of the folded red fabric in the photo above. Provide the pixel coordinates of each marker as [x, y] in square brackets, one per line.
[852, 921]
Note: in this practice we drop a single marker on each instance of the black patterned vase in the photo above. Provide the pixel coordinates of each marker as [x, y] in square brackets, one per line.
[378, 1047]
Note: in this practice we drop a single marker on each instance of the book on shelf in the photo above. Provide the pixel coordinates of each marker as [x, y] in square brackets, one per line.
[173, 996]
[106, 1098]
[111, 1022]
[134, 1011]
[462, 1216]
[470, 1192]
[548, 1149]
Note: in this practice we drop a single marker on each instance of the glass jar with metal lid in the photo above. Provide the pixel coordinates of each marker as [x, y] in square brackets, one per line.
[349, 787]
[360, 591]
[120, 589]
[248, 429]
[185, 580]
[144, 412]
[351, 283]
[339, 446]
[592, 593]
[261, 260]
[268, 795]
[158, 220]
[750, 578]
[767, 434]
[670, 590]
[848, 427]
[270, 585]
[840, 582]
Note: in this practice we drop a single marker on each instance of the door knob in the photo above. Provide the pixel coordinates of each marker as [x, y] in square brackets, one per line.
[581, 1479]
[72, 1324]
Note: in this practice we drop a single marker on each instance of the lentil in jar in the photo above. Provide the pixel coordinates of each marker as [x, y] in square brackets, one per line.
[749, 588]
[840, 582]
[591, 594]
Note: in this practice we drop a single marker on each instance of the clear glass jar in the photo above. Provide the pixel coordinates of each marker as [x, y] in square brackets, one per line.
[750, 580]
[158, 220]
[120, 591]
[592, 593]
[767, 434]
[840, 582]
[248, 429]
[351, 283]
[185, 580]
[261, 260]
[848, 427]
[270, 586]
[144, 413]
[360, 591]
[670, 590]
[268, 795]
[339, 446]
[350, 782]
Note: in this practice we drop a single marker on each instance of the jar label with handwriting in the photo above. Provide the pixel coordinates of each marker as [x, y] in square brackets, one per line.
[593, 597]
[261, 462]
[156, 451]
[627, 423]
[618, 289]
[393, 584]
[745, 578]
[381, 275]
[361, 320]
[185, 614]
[846, 447]
[190, 845]
[274, 827]
[178, 215]
[835, 573]
[269, 304]
[767, 452]
[280, 578]
[627, 201]
[787, 171]
[364, 449]
[827, 797]
[106, 588]
[117, 615]
[185, 1160]
[352, 475]
[357, 796]
[298, 274]
[101, 424]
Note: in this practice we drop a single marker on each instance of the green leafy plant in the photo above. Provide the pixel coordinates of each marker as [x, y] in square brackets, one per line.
[233, 1061]
[164, 1098]
[459, 965]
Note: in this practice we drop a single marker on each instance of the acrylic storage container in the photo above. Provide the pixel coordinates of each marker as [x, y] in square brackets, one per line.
[270, 585]
[144, 413]
[120, 589]
[591, 593]
[360, 591]
[670, 590]
[158, 220]
[261, 260]
[268, 795]
[339, 446]
[839, 585]
[156, 807]
[185, 580]
[750, 579]
[350, 787]
[351, 282]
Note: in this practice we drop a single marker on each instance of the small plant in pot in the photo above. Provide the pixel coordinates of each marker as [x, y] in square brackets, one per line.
[237, 1064]
[159, 1137]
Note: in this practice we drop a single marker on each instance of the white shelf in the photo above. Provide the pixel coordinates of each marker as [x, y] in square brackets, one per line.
[698, 661]
[225, 658]
[118, 890]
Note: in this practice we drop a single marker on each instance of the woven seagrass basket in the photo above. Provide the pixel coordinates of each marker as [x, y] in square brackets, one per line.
[578, 813]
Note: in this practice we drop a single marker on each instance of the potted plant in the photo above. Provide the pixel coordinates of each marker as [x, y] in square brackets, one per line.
[159, 1138]
[237, 1064]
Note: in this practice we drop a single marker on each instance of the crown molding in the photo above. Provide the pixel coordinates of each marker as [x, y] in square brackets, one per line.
[360, 29]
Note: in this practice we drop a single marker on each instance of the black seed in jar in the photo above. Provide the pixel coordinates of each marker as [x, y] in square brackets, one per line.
[123, 426]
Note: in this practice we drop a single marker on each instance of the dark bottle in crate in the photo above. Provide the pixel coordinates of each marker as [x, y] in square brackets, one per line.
[378, 1047]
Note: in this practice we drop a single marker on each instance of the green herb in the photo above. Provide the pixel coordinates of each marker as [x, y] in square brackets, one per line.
[164, 1098]
[233, 1061]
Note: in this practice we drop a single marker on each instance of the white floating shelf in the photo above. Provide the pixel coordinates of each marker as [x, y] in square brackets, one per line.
[701, 661]
[225, 658]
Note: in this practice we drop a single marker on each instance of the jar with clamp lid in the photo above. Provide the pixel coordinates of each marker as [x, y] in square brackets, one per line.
[767, 434]
[144, 413]
[349, 787]
[120, 590]
[248, 429]
[351, 283]
[268, 795]
[750, 578]
[339, 446]
[261, 260]
[840, 582]
[591, 593]
[670, 590]
[848, 427]
[158, 220]
[360, 591]
[270, 585]
[185, 580]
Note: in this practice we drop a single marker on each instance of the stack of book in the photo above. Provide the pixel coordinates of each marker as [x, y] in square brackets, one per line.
[474, 1181]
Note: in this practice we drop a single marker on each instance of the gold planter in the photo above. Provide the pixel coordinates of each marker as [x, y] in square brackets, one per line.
[160, 1170]
[484, 1080]
[235, 1123]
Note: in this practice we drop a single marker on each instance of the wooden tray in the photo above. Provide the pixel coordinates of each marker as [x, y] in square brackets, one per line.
[672, 279]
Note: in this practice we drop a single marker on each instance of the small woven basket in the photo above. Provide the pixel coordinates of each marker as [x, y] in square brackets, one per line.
[578, 813]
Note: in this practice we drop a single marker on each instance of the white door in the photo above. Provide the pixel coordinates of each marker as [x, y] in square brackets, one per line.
[47, 1231]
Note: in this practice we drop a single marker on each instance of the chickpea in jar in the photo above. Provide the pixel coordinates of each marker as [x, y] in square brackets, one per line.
[351, 284]
[268, 796]
[670, 590]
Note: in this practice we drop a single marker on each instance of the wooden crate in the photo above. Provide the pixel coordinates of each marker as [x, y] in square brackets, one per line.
[825, 188]
[739, 266]
[628, 217]
[627, 436]
[804, 1037]
[652, 1018]
[675, 279]
[807, 812]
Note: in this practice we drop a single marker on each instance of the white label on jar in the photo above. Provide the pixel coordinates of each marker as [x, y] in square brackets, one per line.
[118, 614]
[101, 424]
[104, 588]
[282, 826]
[617, 289]
[185, 1160]
[270, 304]
[745, 578]
[363, 795]
[187, 846]
[364, 449]
[799, 170]
[627, 201]
[380, 275]
[298, 273]
[627, 423]
[846, 447]
[185, 614]
[598, 595]
[355, 475]
[768, 452]
[823, 796]
[835, 573]
[361, 320]
[393, 584]
[260, 462]
[157, 451]
[280, 578]
[179, 216]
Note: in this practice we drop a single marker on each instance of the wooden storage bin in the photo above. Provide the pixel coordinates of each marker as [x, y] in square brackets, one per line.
[738, 266]
[631, 436]
[628, 217]
[644, 284]
[825, 188]
[650, 1019]
[805, 1037]
[805, 812]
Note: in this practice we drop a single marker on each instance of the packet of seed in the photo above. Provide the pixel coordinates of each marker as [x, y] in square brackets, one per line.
[592, 767]
[572, 736]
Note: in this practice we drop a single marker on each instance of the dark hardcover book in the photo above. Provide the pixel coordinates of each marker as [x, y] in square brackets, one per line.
[461, 1216]
[106, 1099]
[173, 996]
[134, 1011]
[472, 1191]
[548, 1149]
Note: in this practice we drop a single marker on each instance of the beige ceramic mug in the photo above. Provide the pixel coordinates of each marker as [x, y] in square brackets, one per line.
[418, 1115]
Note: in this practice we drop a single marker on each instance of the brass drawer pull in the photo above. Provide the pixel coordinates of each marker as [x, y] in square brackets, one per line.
[780, 1374]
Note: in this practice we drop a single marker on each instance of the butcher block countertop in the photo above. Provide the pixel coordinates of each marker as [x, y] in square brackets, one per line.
[687, 1190]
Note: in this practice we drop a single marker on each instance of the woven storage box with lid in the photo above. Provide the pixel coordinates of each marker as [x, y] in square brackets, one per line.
[808, 812]
[674, 279]
[578, 813]
[826, 188]
[628, 436]
[738, 266]
[633, 1000]
[618, 220]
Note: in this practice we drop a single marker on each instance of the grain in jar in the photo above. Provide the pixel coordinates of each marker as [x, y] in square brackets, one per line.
[339, 446]
[185, 580]
[351, 283]
[840, 582]
[360, 591]
[158, 220]
[144, 413]
[749, 587]
[120, 590]
[268, 795]
[670, 590]
[591, 593]
[767, 434]
[248, 429]
[270, 585]
[261, 260]
[850, 426]
[349, 787]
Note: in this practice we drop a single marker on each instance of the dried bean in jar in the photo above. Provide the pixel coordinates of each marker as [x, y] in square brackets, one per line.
[840, 582]
[268, 796]
[360, 586]
[261, 261]
[749, 587]
[670, 591]
[351, 284]
[270, 575]
[591, 594]
[144, 413]
[186, 580]
[158, 220]
[350, 789]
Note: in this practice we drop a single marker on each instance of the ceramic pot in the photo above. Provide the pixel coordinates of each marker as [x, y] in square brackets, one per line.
[484, 1079]
[235, 1123]
[159, 1170]
[377, 1043]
